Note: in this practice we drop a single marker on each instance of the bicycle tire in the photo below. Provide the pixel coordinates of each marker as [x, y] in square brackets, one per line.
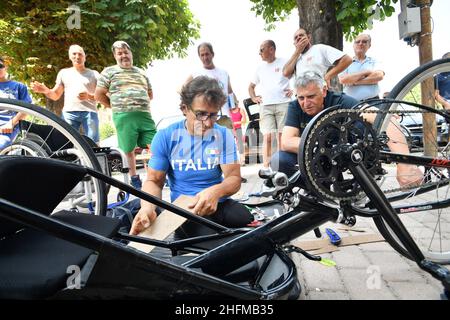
[40, 115]
[419, 224]
[25, 148]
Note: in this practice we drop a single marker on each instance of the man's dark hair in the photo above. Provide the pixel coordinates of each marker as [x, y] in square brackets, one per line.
[204, 86]
[205, 44]
[306, 30]
[271, 43]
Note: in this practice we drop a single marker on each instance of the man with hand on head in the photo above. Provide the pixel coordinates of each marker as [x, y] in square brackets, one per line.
[323, 59]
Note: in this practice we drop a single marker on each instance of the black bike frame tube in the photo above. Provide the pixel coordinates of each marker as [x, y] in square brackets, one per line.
[261, 241]
[411, 159]
[370, 187]
[112, 248]
[159, 202]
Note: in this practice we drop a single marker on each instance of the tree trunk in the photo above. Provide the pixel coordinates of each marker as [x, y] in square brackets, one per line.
[319, 18]
[55, 106]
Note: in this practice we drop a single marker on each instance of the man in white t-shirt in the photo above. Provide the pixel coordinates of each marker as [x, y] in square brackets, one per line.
[206, 54]
[323, 59]
[78, 84]
[273, 99]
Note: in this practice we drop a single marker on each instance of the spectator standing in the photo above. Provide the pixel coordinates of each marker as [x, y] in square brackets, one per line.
[361, 78]
[239, 118]
[127, 91]
[10, 89]
[274, 98]
[442, 85]
[323, 59]
[206, 54]
[78, 85]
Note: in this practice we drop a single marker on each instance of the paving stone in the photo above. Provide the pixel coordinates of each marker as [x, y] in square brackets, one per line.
[364, 284]
[327, 295]
[412, 291]
[321, 277]
[350, 256]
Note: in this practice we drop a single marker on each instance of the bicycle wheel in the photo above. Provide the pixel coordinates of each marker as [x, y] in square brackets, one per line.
[24, 148]
[430, 228]
[43, 134]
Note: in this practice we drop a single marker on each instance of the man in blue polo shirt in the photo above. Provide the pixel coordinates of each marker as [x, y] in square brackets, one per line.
[199, 158]
[10, 89]
[312, 98]
[362, 76]
[442, 84]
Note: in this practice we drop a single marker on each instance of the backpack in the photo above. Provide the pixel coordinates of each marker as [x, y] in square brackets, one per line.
[125, 213]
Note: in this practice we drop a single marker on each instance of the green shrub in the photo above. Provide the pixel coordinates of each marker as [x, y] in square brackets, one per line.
[106, 130]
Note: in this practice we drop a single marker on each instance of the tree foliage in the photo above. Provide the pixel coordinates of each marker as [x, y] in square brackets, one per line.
[354, 16]
[36, 34]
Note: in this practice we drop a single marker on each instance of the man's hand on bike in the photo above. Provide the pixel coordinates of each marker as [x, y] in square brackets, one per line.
[205, 203]
[143, 219]
[409, 175]
[7, 127]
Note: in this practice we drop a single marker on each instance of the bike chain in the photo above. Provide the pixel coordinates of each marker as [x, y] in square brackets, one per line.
[359, 111]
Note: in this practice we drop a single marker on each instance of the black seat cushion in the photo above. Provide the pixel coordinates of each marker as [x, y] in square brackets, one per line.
[35, 183]
[34, 264]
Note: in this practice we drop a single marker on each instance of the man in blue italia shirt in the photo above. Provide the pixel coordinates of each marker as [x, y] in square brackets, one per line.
[199, 158]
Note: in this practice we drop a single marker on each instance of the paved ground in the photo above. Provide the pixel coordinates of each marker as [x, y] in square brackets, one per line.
[372, 271]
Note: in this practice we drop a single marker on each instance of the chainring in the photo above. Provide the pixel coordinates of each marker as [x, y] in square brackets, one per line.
[322, 154]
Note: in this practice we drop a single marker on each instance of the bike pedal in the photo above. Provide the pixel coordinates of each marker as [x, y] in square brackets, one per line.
[334, 237]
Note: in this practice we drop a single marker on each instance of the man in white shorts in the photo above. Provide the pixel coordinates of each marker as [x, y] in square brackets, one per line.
[273, 99]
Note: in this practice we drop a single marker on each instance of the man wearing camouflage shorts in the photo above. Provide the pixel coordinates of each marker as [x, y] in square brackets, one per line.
[129, 97]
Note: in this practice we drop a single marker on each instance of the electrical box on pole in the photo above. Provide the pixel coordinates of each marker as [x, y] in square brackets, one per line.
[409, 22]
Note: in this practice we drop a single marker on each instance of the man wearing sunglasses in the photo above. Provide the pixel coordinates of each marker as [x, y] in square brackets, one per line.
[361, 78]
[199, 158]
[10, 89]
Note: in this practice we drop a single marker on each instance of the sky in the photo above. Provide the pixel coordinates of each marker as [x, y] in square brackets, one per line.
[236, 34]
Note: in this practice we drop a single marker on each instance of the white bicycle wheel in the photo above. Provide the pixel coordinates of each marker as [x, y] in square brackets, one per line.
[430, 228]
[57, 139]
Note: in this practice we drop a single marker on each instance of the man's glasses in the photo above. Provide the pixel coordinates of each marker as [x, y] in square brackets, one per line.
[2, 65]
[362, 41]
[203, 115]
